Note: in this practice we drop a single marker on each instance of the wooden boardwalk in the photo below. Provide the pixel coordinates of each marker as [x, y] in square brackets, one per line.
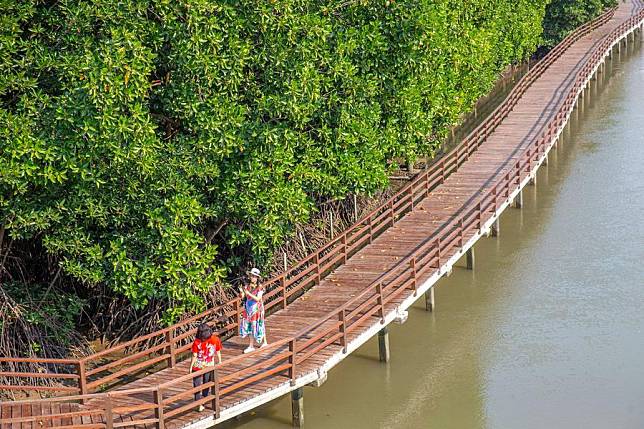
[348, 291]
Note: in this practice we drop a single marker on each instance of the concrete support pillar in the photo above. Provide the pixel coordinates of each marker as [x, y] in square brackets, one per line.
[429, 300]
[518, 200]
[533, 179]
[495, 230]
[297, 407]
[469, 256]
[383, 344]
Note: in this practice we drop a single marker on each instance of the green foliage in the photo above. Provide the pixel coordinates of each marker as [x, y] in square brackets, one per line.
[563, 16]
[155, 145]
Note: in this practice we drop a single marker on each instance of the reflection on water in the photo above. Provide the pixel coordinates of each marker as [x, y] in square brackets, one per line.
[548, 330]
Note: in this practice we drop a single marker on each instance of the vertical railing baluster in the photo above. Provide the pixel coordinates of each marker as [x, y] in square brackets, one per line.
[237, 304]
[343, 329]
[292, 361]
[215, 393]
[82, 377]
[158, 411]
[344, 247]
[317, 268]
[283, 287]
[109, 414]
[169, 339]
[381, 302]
[412, 266]
[411, 197]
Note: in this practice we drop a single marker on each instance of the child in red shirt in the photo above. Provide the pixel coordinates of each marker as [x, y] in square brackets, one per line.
[204, 349]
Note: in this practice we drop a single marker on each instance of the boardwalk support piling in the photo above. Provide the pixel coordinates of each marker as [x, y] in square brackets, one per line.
[495, 230]
[383, 344]
[469, 256]
[297, 407]
[533, 179]
[429, 300]
[518, 200]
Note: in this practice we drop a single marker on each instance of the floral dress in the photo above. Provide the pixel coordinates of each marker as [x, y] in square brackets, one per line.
[252, 317]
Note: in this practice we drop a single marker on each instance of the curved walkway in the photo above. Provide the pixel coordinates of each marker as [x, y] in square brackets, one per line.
[378, 282]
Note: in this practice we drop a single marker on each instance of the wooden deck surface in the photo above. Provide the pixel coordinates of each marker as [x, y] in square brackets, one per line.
[484, 167]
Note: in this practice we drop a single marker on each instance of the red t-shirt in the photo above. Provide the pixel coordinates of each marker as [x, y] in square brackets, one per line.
[205, 351]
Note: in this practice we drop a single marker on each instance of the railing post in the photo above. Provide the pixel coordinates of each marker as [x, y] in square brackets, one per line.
[158, 411]
[343, 329]
[381, 302]
[344, 246]
[392, 212]
[438, 247]
[460, 233]
[412, 265]
[215, 392]
[238, 311]
[291, 361]
[370, 229]
[443, 171]
[479, 216]
[283, 286]
[169, 338]
[82, 377]
[317, 268]
[411, 197]
[109, 415]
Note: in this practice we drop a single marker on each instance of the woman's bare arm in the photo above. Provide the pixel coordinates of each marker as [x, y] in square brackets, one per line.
[193, 361]
[257, 297]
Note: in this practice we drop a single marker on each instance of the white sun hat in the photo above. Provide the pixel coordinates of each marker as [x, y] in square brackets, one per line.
[255, 272]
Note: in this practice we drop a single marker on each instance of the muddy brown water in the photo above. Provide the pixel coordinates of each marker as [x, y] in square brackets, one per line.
[548, 330]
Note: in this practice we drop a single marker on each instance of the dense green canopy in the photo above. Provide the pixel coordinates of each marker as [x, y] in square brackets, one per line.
[154, 146]
[563, 16]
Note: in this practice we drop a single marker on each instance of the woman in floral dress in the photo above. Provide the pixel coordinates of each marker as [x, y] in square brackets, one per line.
[252, 323]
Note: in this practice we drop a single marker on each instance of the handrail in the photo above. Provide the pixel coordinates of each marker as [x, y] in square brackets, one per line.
[286, 355]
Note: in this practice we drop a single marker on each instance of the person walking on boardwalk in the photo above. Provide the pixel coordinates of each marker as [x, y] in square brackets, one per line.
[252, 324]
[205, 348]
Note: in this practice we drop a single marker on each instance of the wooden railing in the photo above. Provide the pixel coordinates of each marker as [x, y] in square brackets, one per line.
[284, 358]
